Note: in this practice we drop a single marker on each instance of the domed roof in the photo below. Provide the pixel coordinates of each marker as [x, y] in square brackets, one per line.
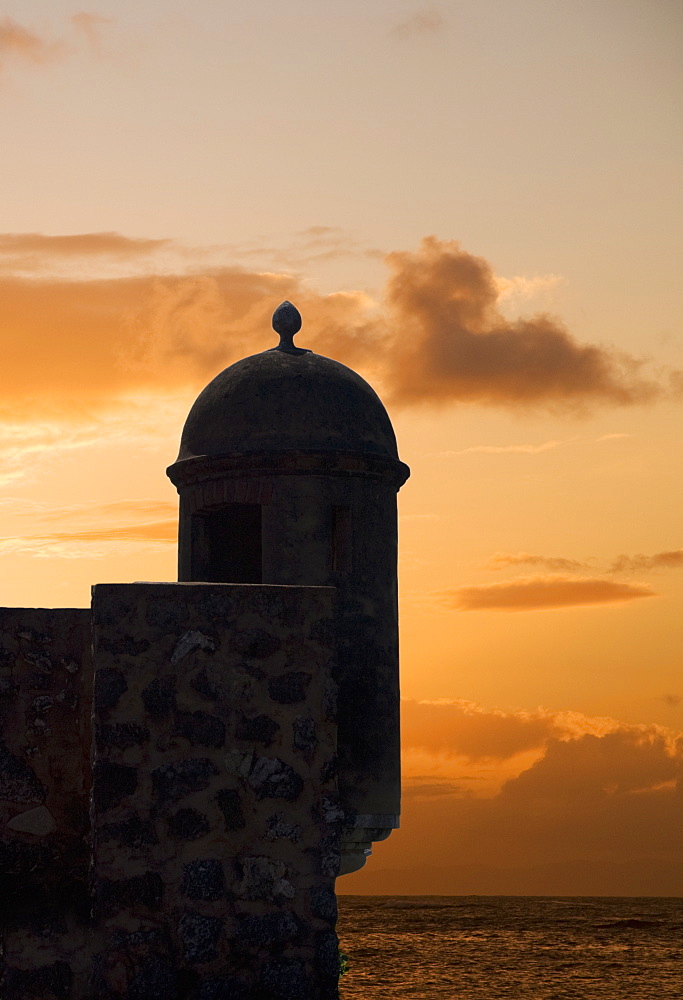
[287, 399]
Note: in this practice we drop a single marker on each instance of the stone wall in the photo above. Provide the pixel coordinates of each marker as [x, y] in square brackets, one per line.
[45, 709]
[215, 822]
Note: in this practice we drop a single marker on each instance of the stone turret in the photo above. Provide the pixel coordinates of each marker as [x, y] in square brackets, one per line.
[288, 473]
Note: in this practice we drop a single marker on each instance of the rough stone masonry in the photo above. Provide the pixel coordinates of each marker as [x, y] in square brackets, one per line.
[206, 868]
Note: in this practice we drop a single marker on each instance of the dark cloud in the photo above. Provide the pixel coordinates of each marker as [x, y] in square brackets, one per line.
[540, 593]
[453, 343]
[429, 789]
[672, 559]
[556, 563]
[660, 560]
[628, 760]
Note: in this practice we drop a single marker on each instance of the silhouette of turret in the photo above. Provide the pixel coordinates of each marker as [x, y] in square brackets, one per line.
[288, 473]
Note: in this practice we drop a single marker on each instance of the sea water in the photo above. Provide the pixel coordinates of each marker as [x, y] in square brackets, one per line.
[517, 947]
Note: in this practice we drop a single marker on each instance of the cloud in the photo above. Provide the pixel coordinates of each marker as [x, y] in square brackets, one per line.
[627, 760]
[505, 449]
[464, 729]
[455, 345]
[86, 342]
[501, 560]
[519, 289]
[413, 789]
[92, 542]
[16, 40]
[89, 530]
[423, 22]
[638, 563]
[525, 449]
[622, 564]
[541, 593]
[72, 344]
[672, 700]
[37, 432]
[460, 728]
[605, 791]
[43, 248]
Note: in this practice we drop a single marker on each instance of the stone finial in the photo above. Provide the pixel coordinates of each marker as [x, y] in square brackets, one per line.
[287, 322]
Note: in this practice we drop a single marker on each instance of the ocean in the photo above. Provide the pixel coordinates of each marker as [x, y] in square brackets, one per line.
[516, 947]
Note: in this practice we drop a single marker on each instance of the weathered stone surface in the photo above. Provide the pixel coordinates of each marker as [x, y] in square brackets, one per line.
[19, 858]
[190, 641]
[324, 902]
[269, 929]
[159, 696]
[116, 894]
[172, 782]
[200, 728]
[204, 879]
[290, 687]
[133, 832]
[254, 643]
[285, 979]
[110, 684]
[120, 643]
[199, 936]
[42, 704]
[224, 988]
[156, 980]
[261, 729]
[239, 762]
[112, 783]
[7, 656]
[232, 873]
[38, 821]
[305, 737]
[329, 855]
[229, 803]
[265, 878]
[44, 850]
[122, 734]
[8, 687]
[40, 660]
[40, 681]
[47, 981]
[207, 685]
[278, 827]
[327, 956]
[18, 781]
[188, 824]
[329, 770]
[272, 778]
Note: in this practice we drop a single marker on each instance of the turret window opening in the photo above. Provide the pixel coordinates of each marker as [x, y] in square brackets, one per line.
[226, 544]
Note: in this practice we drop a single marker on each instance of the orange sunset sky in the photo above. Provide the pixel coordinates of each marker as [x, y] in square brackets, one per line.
[477, 205]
